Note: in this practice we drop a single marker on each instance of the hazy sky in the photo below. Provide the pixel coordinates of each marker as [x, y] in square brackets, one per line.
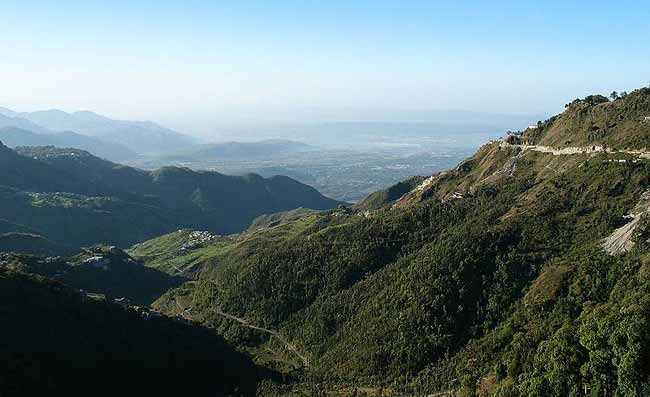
[193, 64]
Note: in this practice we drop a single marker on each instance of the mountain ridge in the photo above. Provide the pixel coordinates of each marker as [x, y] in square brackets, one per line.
[54, 182]
[15, 137]
[620, 123]
[487, 279]
[494, 278]
[142, 137]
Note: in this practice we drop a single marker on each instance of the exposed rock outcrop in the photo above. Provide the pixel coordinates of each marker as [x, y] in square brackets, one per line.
[621, 240]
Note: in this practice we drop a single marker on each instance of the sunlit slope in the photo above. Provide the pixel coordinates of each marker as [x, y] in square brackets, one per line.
[498, 261]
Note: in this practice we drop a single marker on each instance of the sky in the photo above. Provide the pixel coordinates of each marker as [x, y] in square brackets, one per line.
[196, 64]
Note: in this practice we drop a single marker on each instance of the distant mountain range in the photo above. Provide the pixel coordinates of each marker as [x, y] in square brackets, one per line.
[74, 198]
[266, 149]
[141, 137]
[17, 122]
[15, 137]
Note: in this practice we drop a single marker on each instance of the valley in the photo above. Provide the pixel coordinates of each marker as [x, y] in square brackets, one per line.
[512, 273]
[325, 199]
[344, 161]
[458, 281]
[345, 175]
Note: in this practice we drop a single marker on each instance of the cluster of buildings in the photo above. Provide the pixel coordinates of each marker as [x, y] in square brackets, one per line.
[198, 238]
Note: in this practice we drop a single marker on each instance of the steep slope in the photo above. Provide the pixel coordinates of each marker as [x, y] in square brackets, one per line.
[54, 339]
[188, 252]
[24, 173]
[178, 252]
[388, 196]
[13, 137]
[280, 218]
[72, 197]
[486, 279]
[623, 123]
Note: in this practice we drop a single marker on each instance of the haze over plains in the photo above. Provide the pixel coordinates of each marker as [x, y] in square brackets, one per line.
[200, 66]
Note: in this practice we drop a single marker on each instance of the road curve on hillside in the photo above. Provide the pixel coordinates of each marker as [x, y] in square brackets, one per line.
[271, 332]
[185, 313]
[577, 150]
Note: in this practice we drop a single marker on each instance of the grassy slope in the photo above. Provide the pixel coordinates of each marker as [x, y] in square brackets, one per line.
[271, 220]
[618, 124]
[166, 253]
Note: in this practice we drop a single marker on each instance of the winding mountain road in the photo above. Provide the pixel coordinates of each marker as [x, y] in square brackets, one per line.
[185, 313]
[271, 332]
[577, 150]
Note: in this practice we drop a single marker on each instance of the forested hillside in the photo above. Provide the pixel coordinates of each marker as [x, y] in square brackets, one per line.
[489, 279]
[56, 341]
[72, 198]
[105, 270]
